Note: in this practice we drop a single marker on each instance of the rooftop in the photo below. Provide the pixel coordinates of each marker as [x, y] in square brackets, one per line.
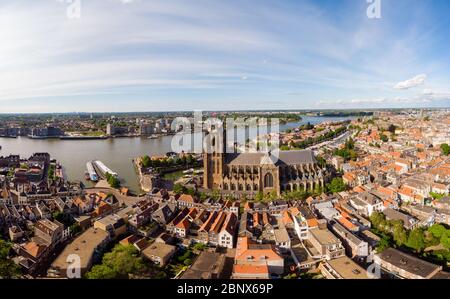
[409, 263]
[84, 246]
[347, 269]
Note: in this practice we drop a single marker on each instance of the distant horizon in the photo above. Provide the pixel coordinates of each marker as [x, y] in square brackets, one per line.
[240, 110]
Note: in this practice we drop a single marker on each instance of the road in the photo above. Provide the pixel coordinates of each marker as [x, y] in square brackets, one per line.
[128, 200]
[332, 143]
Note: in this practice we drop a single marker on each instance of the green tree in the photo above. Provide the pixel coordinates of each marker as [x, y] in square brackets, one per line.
[445, 148]
[445, 239]
[101, 272]
[384, 138]
[118, 263]
[75, 229]
[337, 185]
[112, 180]
[8, 269]
[199, 246]
[383, 244]
[376, 219]
[179, 189]
[399, 233]
[146, 161]
[259, 196]
[438, 230]
[416, 240]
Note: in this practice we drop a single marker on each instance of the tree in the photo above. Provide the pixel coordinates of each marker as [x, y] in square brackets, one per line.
[146, 161]
[112, 180]
[438, 230]
[179, 189]
[436, 195]
[8, 269]
[101, 272]
[445, 239]
[445, 148]
[259, 196]
[75, 229]
[392, 128]
[337, 185]
[199, 246]
[384, 138]
[416, 240]
[383, 244]
[118, 263]
[321, 161]
[376, 219]
[399, 233]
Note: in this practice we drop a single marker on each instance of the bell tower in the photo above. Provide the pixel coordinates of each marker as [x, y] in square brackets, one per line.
[214, 159]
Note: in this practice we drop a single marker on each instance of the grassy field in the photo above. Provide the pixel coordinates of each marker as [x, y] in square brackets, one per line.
[173, 176]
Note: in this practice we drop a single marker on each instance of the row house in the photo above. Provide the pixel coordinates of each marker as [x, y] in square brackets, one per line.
[51, 232]
[355, 247]
[187, 201]
[143, 214]
[256, 261]
[170, 227]
[164, 214]
[253, 224]
[409, 222]
[219, 229]
[443, 216]
[366, 203]
[228, 231]
[326, 245]
[181, 229]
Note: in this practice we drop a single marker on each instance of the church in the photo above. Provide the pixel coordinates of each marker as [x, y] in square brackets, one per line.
[250, 173]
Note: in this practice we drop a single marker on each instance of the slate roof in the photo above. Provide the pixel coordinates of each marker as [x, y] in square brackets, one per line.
[285, 157]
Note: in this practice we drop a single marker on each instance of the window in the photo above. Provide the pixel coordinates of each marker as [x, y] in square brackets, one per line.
[268, 180]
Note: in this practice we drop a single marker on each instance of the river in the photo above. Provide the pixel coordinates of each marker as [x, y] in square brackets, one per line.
[116, 153]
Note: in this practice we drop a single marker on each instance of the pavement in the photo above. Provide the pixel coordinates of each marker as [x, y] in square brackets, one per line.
[128, 200]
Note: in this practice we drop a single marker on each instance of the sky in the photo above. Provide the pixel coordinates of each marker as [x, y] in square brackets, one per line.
[171, 55]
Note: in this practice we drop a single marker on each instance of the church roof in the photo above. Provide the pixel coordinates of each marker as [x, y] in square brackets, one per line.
[285, 157]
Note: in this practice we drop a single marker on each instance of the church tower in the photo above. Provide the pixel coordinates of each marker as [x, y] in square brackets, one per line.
[214, 159]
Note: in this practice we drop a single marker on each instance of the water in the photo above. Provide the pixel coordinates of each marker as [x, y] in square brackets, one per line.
[116, 153]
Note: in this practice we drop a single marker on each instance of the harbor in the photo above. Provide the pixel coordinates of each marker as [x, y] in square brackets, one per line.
[116, 153]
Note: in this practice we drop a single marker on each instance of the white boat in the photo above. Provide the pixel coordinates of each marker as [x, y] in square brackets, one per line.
[104, 169]
[153, 137]
[92, 174]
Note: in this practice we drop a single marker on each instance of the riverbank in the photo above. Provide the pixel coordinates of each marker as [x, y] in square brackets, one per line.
[117, 153]
[145, 180]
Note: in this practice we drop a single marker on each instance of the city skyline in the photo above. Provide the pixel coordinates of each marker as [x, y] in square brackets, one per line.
[123, 56]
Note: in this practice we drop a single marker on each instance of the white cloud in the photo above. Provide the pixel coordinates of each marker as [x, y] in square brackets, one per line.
[411, 83]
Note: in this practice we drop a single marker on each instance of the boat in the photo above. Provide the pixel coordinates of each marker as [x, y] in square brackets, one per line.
[153, 137]
[104, 169]
[92, 174]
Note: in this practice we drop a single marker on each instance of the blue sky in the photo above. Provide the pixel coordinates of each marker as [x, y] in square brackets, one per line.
[151, 55]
